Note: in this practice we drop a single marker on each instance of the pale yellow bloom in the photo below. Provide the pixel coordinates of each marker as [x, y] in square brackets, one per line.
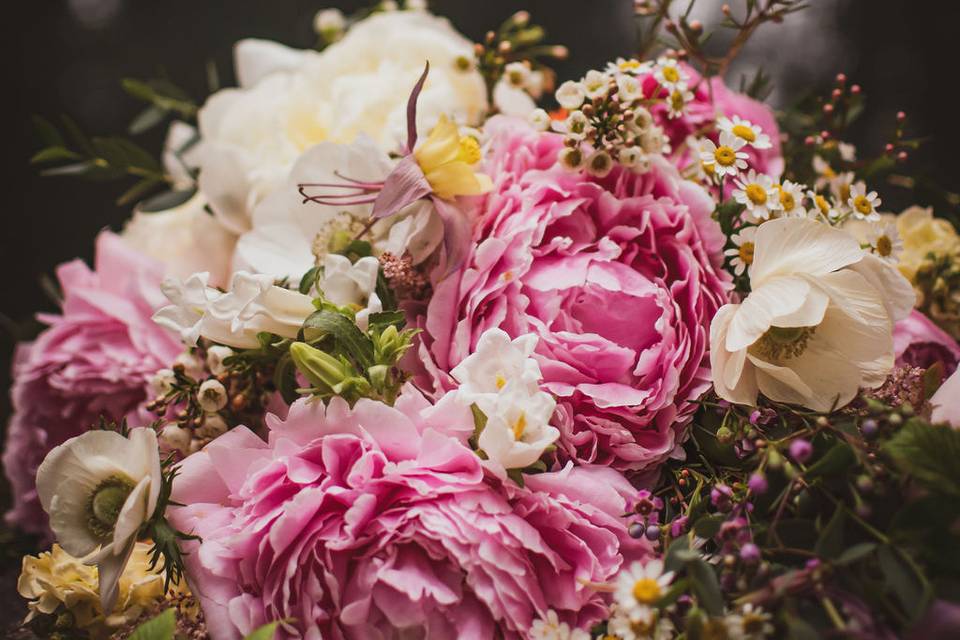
[56, 581]
[922, 234]
[447, 158]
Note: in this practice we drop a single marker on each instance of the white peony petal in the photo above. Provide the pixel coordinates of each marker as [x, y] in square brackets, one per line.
[789, 246]
[254, 59]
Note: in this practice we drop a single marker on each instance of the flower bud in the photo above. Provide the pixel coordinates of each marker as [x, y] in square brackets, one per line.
[162, 382]
[175, 437]
[213, 426]
[801, 450]
[215, 357]
[212, 396]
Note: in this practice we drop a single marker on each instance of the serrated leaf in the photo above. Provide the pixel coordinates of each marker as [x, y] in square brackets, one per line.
[160, 627]
[266, 632]
[382, 320]
[929, 454]
[346, 334]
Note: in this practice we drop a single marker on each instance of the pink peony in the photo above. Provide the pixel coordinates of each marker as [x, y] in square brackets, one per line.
[94, 360]
[712, 100]
[619, 277]
[378, 522]
[918, 342]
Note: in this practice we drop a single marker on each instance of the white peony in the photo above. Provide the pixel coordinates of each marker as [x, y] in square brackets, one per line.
[99, 488]
[254, 304]
[817, 324]
[290, 100]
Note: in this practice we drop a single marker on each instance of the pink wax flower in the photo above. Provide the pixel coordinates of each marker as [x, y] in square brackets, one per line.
[618, 277]
[711, 100]
[918, 342]
[378, 522]
[94, 360]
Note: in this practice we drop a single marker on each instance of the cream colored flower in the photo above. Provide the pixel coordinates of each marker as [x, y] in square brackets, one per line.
[923, 234]
[518, 427]
[352, 284]
[817, 324]
[99, 488]
[56, 579]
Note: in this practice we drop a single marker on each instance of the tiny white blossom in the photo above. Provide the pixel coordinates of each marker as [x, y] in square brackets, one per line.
[629, 88]
[745, 130]
[885, 241]
[862, 204]
[725, 158]
[215, 357]
[669, 74]
[641, 586]
[551, 628]
[758, 193]
[599, 164]
[329, 21]
[742, 255]
[213, 426]
[540, 119]
[212, 395]
[596, 83]
[751, 623]
[162, 382]
[790, 196]
[635, 158]
[517, 74]
[173, 437]
[570, 95]
[571, 158]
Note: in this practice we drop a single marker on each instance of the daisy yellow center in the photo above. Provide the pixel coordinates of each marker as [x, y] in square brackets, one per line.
[725, 156]
[783, 343]
[707, 168]
[746, 253]
[861, 204]
[628, 65]
[646, 590]
[519, 426]
[469, 150]
[756, 193]
[676, 101]
[670, 74]
[884, 246]
[744, 132]
[715, 629]
[105, 504]
[753, 623]
[828, 172]
[822, 204]
[500, 381]
[845, 192]
[787, 201]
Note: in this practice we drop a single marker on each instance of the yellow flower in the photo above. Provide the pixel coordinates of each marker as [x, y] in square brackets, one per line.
[923, 234]
[447, 160]
[55, 581]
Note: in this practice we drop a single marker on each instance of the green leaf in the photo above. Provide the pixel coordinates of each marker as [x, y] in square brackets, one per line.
[708, 526]
[855, 553]
[900, 578]
[929, 454]
[382, 320]
[675, 556]
[308, 279]
[139, 189]
[160, 627]
[677, 589]
[705, 585]
[166, 200]
[77, 136]
[54, 153]
[47, 132]
[77, 169]
[285, 378]
[266, 632]
[836, 460]
[830, 542]
[345, 333]
[147, 119]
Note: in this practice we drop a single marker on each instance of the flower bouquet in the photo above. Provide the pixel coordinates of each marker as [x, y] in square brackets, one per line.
[387, 351]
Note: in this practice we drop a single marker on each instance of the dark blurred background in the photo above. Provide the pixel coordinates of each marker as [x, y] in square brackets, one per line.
[73, 53]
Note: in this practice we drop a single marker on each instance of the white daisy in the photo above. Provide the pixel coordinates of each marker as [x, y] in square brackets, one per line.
[725, 158]
[885, 241]
[790, 196]
[862, 204]
[641, 586]
[758, 193]
[825, 173]
[630, 66]
[678, 100]
[823, 207]
[551, 628]
[642, 625]
[840, 186]
[742, 255]
[745, 130]
[752, 623]
[669, 74]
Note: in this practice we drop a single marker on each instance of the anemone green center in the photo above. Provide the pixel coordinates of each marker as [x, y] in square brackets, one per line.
[105, 504]
[783, 343]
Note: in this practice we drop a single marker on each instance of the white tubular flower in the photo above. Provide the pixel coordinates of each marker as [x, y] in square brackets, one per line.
[496, 361]
[99, 489]
[174, 437]
[517, 430]
[212, 395]
[629, 88]
[253, 305]
[162, 382]
[596, 83]
[352, 284]
[817, 324]
[215, 357]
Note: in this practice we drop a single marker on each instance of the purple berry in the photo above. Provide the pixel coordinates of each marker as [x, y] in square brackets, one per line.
[653, 532]
[758, 484]
[801, 450]
[636, 530]
[750, 553]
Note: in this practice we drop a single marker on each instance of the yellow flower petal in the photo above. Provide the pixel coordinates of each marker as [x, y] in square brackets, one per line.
[440, 147]
[457, 179]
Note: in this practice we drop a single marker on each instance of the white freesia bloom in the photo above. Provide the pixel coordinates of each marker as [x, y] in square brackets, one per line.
[817, 324]
[496, 361]
[290, 100]
[99, 489]
[517, 430]
[286, 233]
[253, 305]
[352, 284]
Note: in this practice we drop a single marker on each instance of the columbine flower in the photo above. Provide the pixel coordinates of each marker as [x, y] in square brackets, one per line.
[599, 164]
[759, 194]
[212, 395]
[742, 254]
[669, 74]
[352, 284]
[677, 101]
[641, 586]
[885, 241]
[517, 430]
[746, 131]
[725, 159]
[595, 83]
[253, 305]
[864, 205]
[790, 197]
[551, 628]
[629, 88]
[818, 322]
[570, 95]
[496, 361]
[447, 158]
[100, 488]
[752, 623]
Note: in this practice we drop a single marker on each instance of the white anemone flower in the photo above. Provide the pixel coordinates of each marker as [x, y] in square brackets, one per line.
[818, 322]
[517, 431]
[99, 489]
[497, 360]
